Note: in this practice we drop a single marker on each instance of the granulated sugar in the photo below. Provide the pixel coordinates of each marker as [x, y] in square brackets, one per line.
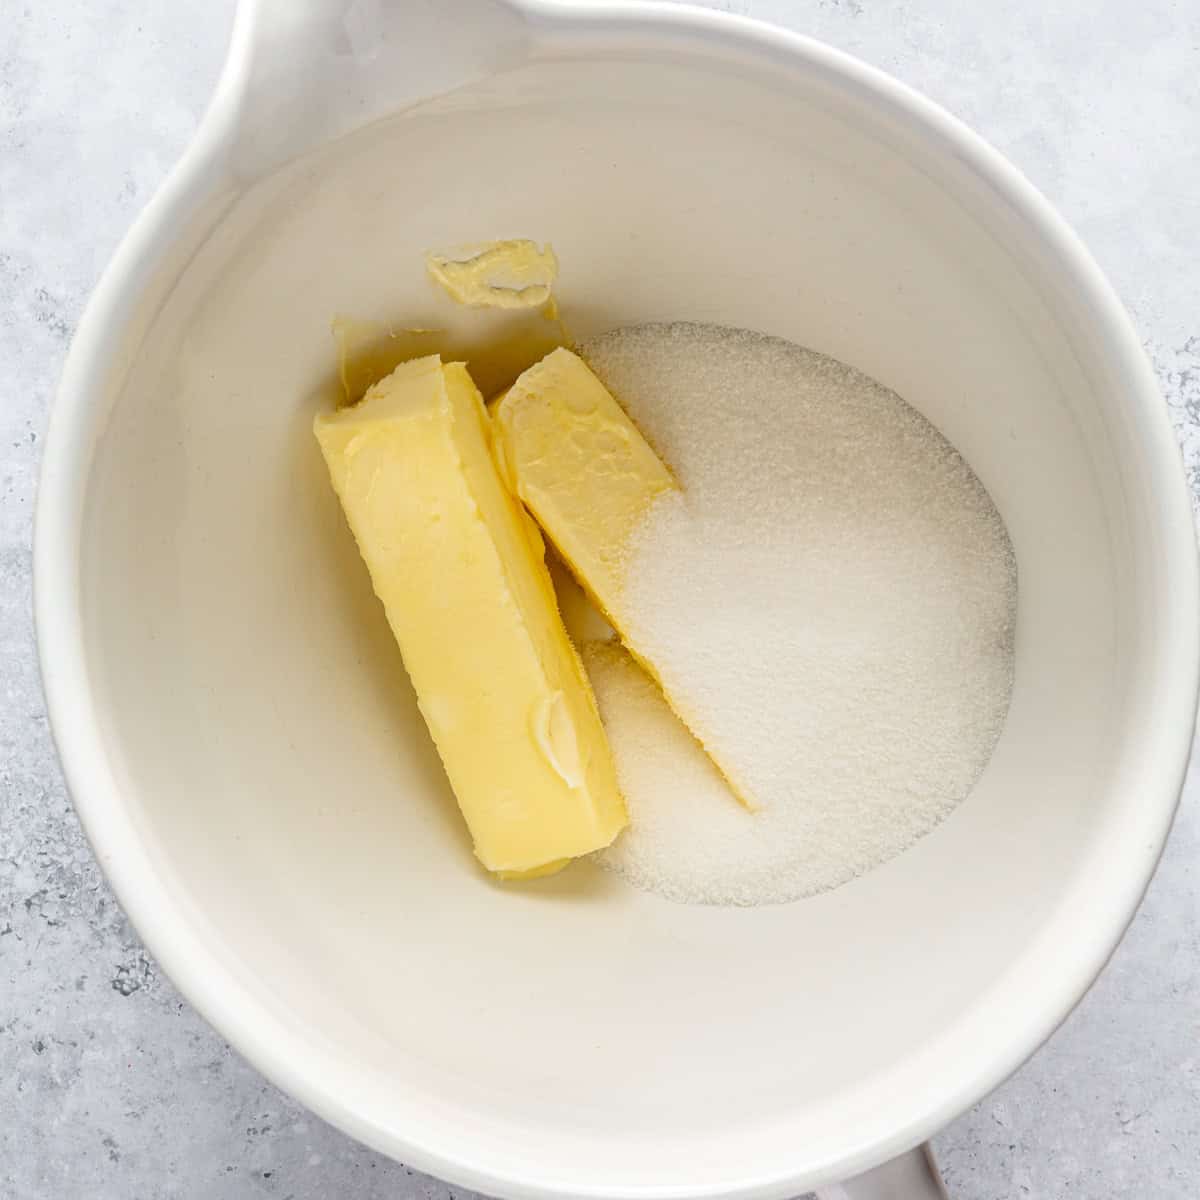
[830, 601]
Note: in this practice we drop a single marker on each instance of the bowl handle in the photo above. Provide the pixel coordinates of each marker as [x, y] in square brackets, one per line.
[912, 1176]
[307, 71]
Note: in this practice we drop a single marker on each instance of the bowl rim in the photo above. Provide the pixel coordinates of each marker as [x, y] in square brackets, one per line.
[76, 422]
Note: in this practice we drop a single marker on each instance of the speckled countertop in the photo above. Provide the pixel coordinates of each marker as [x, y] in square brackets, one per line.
[111, 1087]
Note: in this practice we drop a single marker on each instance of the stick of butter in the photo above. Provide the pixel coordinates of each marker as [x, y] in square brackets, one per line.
[588, 476]
[460, 570]
[581, 467]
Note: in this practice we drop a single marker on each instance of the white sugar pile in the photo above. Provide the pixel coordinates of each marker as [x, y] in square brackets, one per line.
[831, 601]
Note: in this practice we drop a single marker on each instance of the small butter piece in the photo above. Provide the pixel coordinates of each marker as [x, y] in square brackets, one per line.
[460, 571]
[588, 476]
[508, 274]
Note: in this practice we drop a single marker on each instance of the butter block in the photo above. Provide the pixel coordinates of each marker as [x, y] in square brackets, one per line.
[460, 570]
[589, 477]
[581, 467]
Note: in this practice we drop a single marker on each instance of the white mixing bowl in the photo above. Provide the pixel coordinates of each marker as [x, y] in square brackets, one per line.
[234, 719]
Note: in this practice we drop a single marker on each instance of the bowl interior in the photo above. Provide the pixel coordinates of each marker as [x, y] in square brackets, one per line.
[263, 734]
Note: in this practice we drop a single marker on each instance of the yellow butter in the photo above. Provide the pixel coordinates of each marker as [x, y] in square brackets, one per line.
[497, 347]
[581, 467]
[508, 274]
[585, 472]
[461, 574]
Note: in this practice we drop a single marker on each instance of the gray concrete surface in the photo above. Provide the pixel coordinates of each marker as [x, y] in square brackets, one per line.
[111, 1087]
